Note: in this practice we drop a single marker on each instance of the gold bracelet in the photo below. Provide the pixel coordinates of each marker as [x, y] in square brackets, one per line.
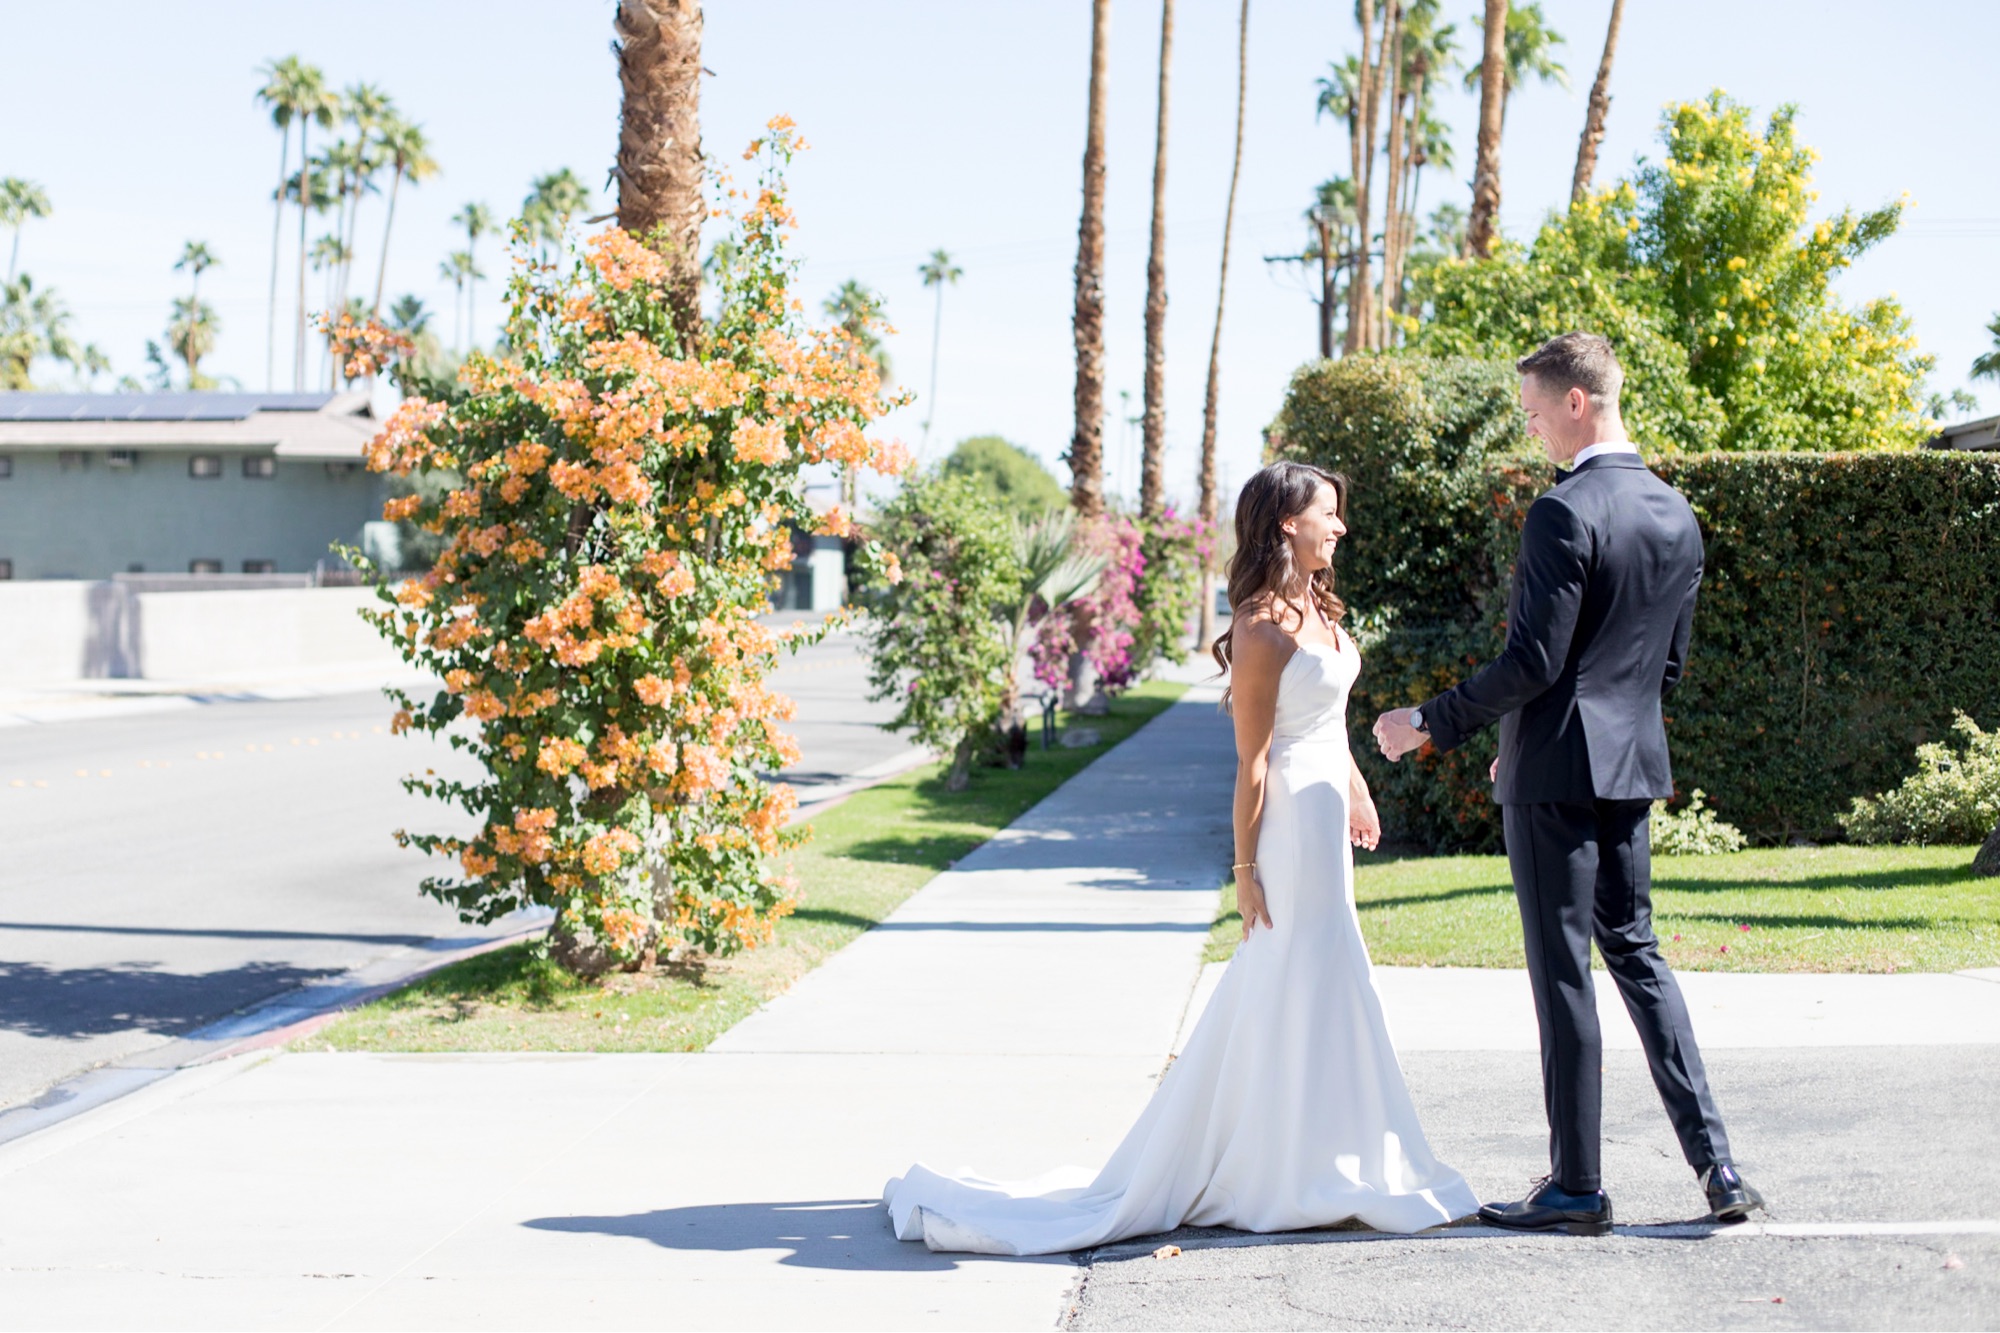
[1244, 865]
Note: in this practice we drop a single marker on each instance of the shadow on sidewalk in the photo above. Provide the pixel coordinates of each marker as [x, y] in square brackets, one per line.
[851, 1234]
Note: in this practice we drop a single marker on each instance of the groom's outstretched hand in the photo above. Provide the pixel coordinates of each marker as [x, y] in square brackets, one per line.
[1395, 735]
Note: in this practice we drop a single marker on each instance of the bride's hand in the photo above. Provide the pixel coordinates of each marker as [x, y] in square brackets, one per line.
[1250, 901]
[1364, 825]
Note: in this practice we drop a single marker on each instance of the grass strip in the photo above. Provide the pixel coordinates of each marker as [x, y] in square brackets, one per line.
[865, 857]
[1777, 909]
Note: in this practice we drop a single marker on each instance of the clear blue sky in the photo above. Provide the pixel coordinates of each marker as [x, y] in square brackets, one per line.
[959, 124]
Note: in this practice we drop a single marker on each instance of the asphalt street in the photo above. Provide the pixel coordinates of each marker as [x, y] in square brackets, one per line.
[168, 868]
[1873, 1160]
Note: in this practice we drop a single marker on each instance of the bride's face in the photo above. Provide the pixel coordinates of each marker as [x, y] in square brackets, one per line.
[1315, 530]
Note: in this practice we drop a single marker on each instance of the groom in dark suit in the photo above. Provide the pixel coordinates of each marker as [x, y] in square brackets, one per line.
[1597, 634]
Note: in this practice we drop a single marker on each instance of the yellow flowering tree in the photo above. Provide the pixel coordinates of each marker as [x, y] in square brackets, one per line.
[1708, 273]
[593, 614]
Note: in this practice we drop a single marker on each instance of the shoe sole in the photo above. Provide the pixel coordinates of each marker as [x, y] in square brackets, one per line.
[1597, 1228]
[1737, 1209]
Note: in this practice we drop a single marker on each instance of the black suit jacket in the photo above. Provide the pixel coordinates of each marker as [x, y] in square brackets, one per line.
[1597, 635]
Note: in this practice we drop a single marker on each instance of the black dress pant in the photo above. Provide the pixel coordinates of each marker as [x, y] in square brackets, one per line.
[1583, 871]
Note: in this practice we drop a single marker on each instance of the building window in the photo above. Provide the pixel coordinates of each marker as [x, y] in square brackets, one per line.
[135, 568]
[121, 458]
[260, 466]
[6, 465]
[260, 566]
[73, 460]
[204, 566]
[341, 469]
[6, 569]
[205, 466]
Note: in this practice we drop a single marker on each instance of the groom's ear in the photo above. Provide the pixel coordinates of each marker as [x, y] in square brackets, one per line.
[1578, 403]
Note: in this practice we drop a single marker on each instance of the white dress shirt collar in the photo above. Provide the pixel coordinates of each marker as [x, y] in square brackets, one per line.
[1590, 451]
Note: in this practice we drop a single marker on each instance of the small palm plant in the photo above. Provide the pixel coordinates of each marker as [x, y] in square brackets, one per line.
[1055, 571]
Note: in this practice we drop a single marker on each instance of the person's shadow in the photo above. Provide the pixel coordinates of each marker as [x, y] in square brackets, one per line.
[819, 1233]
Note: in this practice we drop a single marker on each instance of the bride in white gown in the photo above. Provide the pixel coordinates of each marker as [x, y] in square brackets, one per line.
[1287, 1109]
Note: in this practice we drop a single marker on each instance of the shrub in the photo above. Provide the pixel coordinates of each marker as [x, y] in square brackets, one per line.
[593, 609]
[1848, 608]
[1954, 796]
[1168, 597]
[1013, 477]
[1102, 624]
[1693, 830]
[944, 561]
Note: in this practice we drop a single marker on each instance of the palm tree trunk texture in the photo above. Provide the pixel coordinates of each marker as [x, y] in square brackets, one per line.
[1600, 107]
[1392, 188]
[1480, 227]
[1329, 281]
[1086, 448]
[660, 166]
[1361, 149]
[1153, 424]
[305, 199]
[277, 226]
[1406, 206]
[937, 333]
[1210, 501]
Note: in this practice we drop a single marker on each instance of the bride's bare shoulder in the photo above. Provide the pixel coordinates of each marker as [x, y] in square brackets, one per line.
[1259, 642]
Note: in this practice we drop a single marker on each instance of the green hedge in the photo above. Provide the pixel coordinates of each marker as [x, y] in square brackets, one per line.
[1851, 603]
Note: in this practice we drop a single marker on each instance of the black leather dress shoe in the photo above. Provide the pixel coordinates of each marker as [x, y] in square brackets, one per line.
[1549, 1208]
[1730, 1197]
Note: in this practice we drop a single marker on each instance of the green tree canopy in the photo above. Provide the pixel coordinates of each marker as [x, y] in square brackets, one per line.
[1015, 478]
[1707, 275]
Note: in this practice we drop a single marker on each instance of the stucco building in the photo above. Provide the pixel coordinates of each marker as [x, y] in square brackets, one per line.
[93, 485]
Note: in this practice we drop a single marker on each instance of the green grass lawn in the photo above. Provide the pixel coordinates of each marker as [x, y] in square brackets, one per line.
[1790, 909]
[866, 856]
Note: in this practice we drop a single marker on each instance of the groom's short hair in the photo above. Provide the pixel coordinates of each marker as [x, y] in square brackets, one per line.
[1578, 361]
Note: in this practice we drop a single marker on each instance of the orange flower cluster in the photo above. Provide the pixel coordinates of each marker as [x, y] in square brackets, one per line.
[361, 347]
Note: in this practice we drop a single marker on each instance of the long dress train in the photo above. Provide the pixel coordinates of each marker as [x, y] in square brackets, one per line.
[1287, 1108]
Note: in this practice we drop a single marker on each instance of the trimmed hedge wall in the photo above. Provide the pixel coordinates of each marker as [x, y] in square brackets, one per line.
[1851, 601]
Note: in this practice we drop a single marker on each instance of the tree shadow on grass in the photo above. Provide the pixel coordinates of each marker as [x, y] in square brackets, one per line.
[845, 1234]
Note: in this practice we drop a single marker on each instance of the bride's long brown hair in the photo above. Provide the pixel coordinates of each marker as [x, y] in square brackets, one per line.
[1263, 562]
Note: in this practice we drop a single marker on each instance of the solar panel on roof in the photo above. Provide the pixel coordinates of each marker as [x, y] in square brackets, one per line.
[29, 406]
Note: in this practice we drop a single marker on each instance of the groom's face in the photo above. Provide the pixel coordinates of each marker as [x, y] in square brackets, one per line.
[1561, 421]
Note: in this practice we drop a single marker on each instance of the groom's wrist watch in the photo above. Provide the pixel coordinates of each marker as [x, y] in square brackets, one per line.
[1417, 721]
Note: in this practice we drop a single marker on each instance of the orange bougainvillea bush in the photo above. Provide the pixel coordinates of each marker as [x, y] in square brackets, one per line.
[593, 615]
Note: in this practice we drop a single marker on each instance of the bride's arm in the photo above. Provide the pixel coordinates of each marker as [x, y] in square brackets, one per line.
[1364, 825]
[1259, 655]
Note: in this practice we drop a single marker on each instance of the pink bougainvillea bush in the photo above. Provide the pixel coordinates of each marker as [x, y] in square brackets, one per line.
[593, 614]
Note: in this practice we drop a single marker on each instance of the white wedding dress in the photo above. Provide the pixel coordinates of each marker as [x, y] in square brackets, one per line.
[1287, 1108]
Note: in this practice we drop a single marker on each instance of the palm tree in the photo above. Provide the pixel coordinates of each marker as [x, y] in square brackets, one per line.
[938, 271]
[1055, 572]
[191, 336]
[1086, 448]
[370, 111]
[1210, 507]
[1986, 366]
[328, 254]
[1600, 107]
[660, 167]
[34, 325]
[311, 100]
[1526, 49]
[459, 270]
[477, 219]
[196, 259]
[20, 200]
[1153, 415]
[282, 79]
[409, 153]
[552, 200]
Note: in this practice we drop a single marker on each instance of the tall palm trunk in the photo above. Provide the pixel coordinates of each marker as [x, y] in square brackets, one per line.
[1086, 448]
[937, 331]
[1153, 425]
[1210, 501]
[1392, 187]
[305, 196]
[1361, 151]
[1480, 227]
[277, 227]
[1600, 107]
[388, 225]
[1329, 280]
[660, 166]
[1406, 206]
[472, 292]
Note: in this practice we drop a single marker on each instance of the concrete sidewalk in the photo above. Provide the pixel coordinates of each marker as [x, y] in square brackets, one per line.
[1012, 1016]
